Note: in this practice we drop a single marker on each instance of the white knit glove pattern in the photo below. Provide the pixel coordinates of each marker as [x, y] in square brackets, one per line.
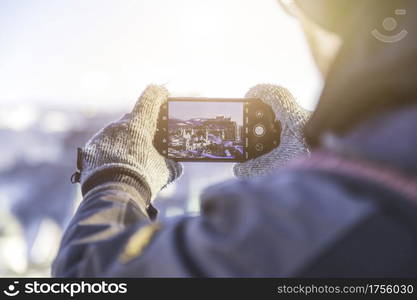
[292, 117]
[126, 146]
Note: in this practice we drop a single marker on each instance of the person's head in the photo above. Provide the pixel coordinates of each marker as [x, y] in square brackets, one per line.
[367, 52]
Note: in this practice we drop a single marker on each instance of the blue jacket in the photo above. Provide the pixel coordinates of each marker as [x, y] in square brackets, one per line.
[295, 222]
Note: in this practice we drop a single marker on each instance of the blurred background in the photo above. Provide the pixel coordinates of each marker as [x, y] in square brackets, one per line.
[67, 68]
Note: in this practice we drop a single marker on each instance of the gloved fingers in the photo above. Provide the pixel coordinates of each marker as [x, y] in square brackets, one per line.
[151, 99]
[175, 169]
[281, 101]
[269, 162]
[241, 170]
[148, 105]
[255, 167]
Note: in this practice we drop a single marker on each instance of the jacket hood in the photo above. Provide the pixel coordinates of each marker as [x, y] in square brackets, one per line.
[370, 75]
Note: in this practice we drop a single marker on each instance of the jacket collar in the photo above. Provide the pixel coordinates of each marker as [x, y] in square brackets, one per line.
[389, 139]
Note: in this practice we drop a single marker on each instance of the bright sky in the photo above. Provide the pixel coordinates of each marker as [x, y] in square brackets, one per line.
[102, 53]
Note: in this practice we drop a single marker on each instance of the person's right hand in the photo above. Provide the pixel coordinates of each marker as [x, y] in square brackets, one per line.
[292, 144]
[123, 151]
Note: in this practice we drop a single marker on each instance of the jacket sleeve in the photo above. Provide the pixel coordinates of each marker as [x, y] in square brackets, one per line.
[269, 227]
[104, 221]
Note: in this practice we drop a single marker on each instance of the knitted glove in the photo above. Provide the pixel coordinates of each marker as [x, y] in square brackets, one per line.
[292, 118]
[123, 151]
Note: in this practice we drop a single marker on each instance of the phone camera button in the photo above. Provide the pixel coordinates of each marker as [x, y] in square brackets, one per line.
[259, 147]
[259, 130]
[259, 114]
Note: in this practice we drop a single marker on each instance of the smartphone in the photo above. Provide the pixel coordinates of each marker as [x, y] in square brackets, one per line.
[216, 129]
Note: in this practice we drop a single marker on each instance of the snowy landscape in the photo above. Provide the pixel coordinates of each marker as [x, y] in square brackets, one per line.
[205, 130]
[217, 138]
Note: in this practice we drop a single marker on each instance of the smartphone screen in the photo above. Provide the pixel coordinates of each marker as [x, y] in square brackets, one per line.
[206, 130]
